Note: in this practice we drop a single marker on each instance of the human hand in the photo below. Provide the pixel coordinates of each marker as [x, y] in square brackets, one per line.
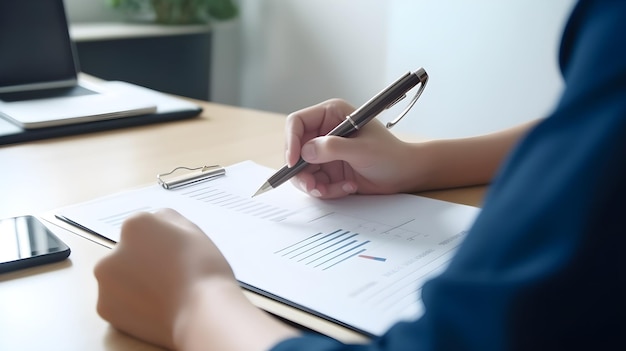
[151, 274]
[375, 162]
[167, 283]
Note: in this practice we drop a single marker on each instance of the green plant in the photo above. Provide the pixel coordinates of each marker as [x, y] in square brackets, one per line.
[180, 11]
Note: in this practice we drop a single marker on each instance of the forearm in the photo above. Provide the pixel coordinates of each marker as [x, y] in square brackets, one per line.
[218, 316]
[463, 162]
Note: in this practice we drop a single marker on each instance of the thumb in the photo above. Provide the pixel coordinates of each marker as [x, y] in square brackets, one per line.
[330, 148]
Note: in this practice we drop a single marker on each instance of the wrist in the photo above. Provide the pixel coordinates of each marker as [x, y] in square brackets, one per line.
[417, 167]
[449, 163]
[196, 314]
[218, 316]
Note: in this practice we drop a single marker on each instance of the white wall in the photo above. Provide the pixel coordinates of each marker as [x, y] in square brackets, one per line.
[300, 52]
[492, 63]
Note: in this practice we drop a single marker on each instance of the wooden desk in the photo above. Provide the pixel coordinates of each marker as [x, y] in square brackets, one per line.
[53, 306]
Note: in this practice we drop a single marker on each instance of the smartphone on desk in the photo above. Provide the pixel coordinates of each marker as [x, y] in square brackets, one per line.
[26, 242]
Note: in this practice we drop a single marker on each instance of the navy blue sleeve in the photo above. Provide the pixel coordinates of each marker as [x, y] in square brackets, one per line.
[543, 267]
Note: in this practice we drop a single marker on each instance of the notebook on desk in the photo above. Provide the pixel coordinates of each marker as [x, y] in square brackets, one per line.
[39, 84]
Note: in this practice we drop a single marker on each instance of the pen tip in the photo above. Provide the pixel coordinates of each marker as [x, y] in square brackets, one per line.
[265, 187]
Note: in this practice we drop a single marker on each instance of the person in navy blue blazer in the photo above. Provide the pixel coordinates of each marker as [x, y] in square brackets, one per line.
[542, 268]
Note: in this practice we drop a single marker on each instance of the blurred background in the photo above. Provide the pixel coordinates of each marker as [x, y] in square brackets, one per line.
[492, 64]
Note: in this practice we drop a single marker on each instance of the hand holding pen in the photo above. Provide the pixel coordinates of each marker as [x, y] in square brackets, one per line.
[315, 121]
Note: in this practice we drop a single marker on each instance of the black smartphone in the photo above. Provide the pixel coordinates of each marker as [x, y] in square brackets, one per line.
[26, 242]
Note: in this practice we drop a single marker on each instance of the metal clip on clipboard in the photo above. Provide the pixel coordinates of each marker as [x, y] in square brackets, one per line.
[169, 181]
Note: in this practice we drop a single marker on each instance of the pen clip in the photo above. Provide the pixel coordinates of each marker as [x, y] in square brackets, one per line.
[200, 174]
[423, 77]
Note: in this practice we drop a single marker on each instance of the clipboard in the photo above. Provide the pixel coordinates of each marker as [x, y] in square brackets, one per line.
[171, 181]
[254, 235]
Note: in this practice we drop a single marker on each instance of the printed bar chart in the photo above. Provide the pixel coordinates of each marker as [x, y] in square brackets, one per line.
[325, 250]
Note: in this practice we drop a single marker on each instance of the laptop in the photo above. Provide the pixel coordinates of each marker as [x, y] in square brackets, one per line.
[39, 80]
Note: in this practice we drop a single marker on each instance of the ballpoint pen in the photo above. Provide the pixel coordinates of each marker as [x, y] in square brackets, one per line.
[360, 117]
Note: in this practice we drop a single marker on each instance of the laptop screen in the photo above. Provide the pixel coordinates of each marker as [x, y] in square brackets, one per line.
[35, 46]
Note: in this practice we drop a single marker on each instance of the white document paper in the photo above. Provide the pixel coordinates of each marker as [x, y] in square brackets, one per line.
[359, 261]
